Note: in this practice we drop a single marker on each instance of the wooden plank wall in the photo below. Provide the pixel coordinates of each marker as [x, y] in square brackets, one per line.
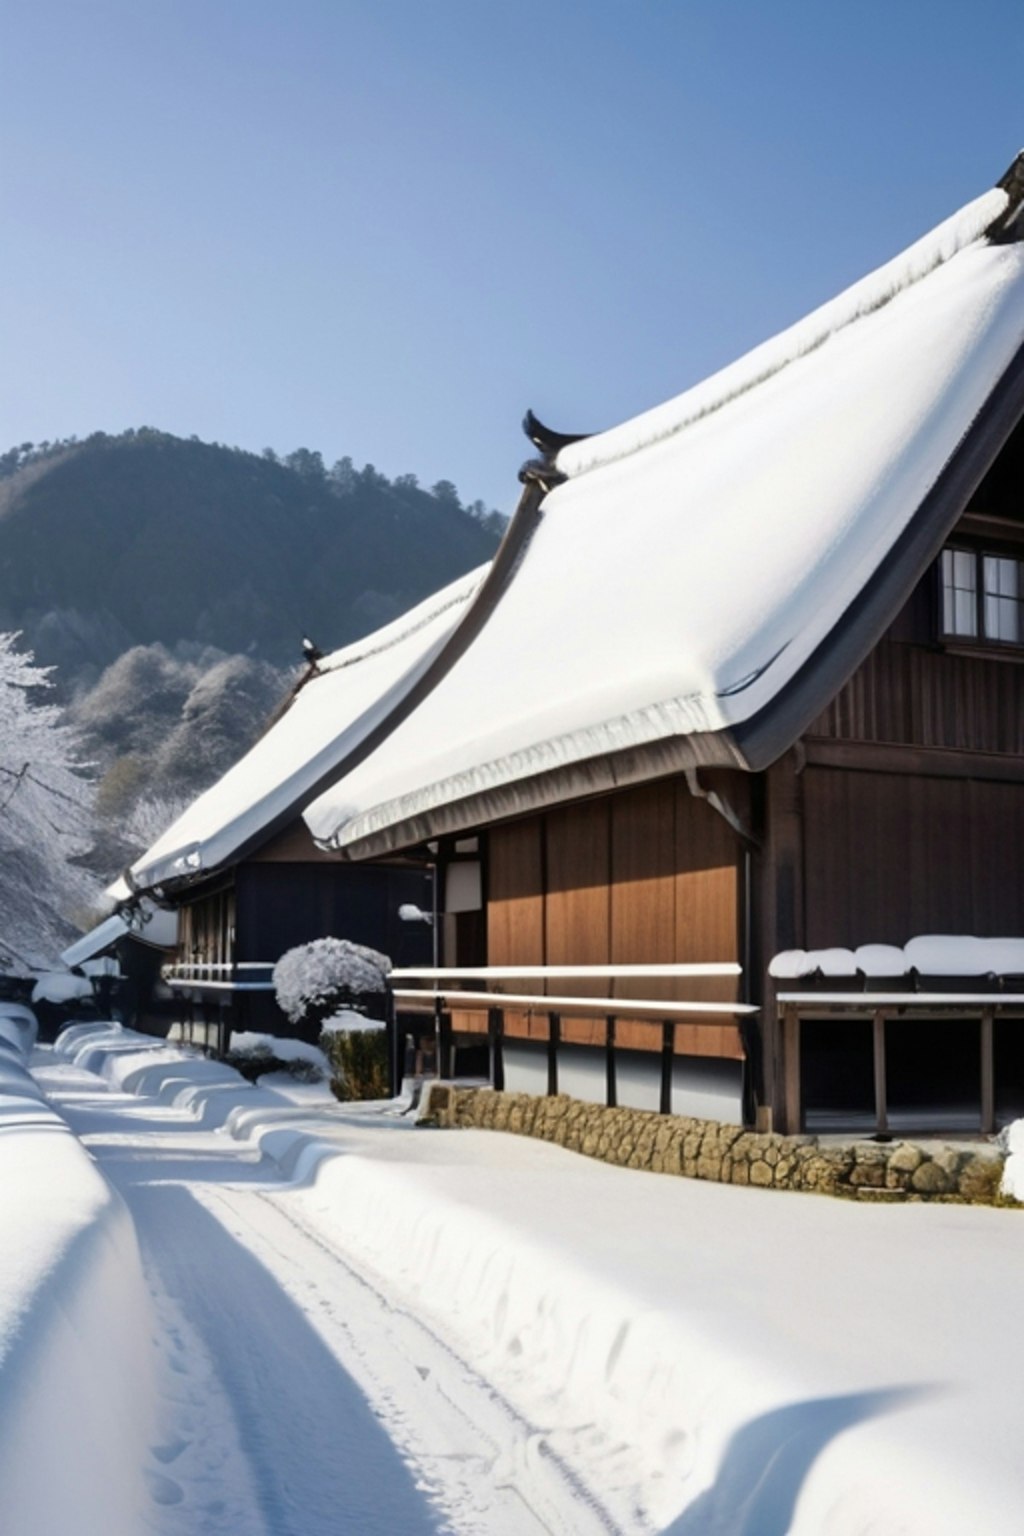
[647, 875]
[917, 695]
[887, 856]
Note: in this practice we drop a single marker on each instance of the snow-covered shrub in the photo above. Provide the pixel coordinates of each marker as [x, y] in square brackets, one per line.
[359, 1060]
[253, 1055]
[314, 980]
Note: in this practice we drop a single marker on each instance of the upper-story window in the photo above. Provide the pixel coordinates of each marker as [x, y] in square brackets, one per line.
[982, 597]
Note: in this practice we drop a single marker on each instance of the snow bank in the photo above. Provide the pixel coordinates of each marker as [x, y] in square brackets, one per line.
[60, 987]
[700, 1359]
[76, 1403]
[1012, 1140]
[18, 1026]
[247, 1043]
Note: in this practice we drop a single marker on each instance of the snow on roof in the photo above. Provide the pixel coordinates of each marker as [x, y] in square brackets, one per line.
[145, 921]
[352, 692]
[697, 556]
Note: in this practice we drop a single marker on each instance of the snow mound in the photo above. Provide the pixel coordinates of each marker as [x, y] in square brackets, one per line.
[73, 1326]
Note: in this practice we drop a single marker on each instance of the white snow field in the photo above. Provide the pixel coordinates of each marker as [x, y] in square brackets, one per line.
[350, 1324]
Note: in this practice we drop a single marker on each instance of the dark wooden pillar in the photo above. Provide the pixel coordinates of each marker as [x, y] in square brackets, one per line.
[554, 1039]
[988, 1074]
[668, 1051]
[791, 1106]
[611, 1081]
[881, 1086]
[445, 1052]
[781, 916]
[496, 1036]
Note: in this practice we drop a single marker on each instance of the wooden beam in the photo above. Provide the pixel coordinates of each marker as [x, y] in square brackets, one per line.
[881, 1087]
[929, 762]
[988, 1074]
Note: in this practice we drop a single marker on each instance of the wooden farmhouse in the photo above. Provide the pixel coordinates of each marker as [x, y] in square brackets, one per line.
[239, 866]
[723, 767]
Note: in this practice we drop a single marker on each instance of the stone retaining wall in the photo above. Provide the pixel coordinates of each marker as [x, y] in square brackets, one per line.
[725, 1154]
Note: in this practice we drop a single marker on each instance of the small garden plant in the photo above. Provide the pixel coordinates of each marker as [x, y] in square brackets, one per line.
[329, 986]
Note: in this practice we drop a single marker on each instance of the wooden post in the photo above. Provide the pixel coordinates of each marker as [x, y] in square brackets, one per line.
[668, 1050]
[554, 1036]
[496, 1032]
[794, 1110]
[394, 1040]
[611, 1081]
[988, 1074]
[445, 1063]
[881, 1091]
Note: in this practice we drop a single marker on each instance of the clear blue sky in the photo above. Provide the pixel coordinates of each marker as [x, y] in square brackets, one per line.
[384, 227]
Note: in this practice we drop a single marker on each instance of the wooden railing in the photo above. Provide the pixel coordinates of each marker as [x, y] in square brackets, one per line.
[444, 991]
[208, 976]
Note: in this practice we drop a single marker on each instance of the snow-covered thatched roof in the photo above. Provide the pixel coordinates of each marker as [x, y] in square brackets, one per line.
[704, 578]
[150, 925]
[352, 694]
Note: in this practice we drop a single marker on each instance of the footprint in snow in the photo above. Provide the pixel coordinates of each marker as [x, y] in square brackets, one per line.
[164, 1490]
[171, 1451]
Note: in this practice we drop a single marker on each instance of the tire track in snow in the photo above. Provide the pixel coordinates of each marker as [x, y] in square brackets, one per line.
[298, 1397]
[489, 1471]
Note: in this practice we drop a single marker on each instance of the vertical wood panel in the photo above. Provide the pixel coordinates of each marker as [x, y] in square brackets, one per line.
[922, 696]
[708, 895]
[515, 906]
[643, 842]
[889, 856]
[577, 907]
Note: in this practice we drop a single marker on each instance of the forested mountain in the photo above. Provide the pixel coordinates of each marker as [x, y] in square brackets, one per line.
[119, 541]
[170, 584]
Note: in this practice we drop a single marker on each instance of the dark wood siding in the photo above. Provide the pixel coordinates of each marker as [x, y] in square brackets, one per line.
[281, 905]
[915, 695]
[887, 856]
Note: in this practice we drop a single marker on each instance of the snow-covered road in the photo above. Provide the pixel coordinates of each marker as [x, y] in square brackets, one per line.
[358, 1326]
[296, 1397]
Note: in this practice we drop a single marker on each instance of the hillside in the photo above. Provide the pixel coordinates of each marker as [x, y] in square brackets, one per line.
[146, 538]
[170, 584]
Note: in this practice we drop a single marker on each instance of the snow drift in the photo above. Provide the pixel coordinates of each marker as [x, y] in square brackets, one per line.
[73, 1323]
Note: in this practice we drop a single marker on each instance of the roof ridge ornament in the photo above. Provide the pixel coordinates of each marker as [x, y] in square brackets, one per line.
[550, 444]
[1009, 226]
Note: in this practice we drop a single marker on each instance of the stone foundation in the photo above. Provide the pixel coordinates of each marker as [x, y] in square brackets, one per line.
[725, 1154]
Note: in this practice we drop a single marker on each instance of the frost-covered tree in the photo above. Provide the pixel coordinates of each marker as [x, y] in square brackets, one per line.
[45, 818]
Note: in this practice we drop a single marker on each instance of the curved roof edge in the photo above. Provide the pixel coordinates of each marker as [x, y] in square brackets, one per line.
[573, 781]
[767, 735]
[185, 854]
